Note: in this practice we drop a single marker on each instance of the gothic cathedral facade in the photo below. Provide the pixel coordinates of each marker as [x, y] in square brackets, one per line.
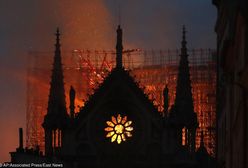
[118, 125]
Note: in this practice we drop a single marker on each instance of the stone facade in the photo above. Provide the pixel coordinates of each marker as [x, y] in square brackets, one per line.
[232, 118]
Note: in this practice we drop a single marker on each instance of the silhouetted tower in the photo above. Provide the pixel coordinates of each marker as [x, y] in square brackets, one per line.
[55, 120]
[119, 48]
[184, 108]
[20, 148]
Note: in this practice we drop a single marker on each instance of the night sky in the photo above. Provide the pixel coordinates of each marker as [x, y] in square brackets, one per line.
[86, 24]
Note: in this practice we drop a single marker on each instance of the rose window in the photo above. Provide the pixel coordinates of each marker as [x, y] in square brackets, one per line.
[118, 129]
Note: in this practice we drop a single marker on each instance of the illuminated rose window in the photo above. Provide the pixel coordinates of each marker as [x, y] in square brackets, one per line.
[118, 129]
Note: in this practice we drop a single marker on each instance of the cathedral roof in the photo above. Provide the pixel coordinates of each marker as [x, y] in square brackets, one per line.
[113, 80]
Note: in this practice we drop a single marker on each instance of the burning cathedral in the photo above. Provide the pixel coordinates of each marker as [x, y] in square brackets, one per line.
[119, 126]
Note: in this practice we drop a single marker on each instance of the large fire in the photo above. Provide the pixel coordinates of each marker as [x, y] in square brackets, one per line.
[86, 76]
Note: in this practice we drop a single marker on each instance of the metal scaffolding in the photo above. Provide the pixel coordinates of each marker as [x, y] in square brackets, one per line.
[152, 69]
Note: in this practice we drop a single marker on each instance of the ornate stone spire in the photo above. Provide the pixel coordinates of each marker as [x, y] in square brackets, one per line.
[56, 110]
[119, 48]
[184, 101]
[56, 102]
[183, 112]
[56, 118]
[184, 43]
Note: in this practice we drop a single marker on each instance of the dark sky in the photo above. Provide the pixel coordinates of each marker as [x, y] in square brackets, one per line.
[88, 24]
